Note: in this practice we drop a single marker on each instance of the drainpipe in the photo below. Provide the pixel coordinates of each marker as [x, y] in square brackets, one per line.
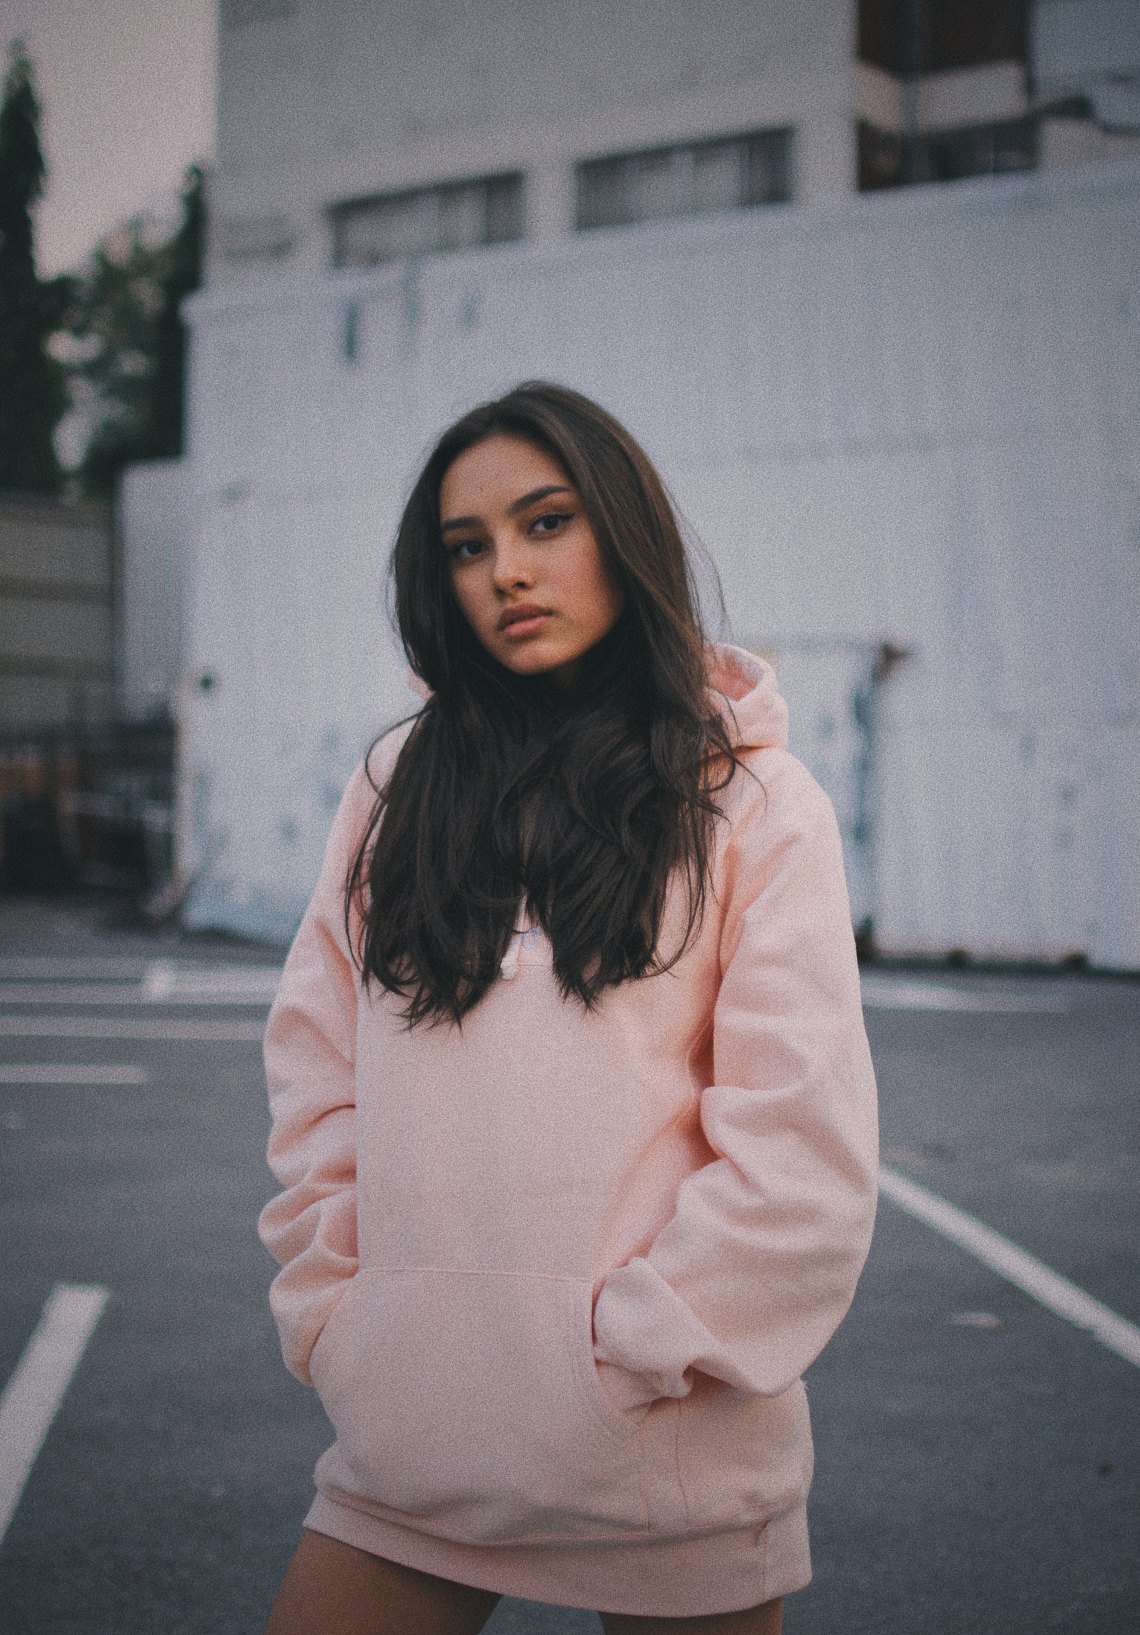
[911, 20]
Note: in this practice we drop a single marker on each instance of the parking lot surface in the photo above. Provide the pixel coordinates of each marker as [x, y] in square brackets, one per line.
[977, 1447]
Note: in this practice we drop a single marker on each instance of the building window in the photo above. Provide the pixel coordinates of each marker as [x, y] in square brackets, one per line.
[936, 36]
[946, 156]
[980, 150]
[424, 220]
[691, 179]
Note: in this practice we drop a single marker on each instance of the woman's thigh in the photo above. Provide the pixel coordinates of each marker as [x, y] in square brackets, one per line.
[765, 1620]
[332, 1588]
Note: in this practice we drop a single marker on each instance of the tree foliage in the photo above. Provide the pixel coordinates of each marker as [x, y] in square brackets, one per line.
[33, 386]
[129, 343]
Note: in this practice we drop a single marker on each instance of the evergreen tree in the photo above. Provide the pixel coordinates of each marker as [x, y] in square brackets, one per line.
[33, 388]
[130, 341]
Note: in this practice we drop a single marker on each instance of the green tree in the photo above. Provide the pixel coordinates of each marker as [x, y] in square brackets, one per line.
[33, 385]
[129, 342]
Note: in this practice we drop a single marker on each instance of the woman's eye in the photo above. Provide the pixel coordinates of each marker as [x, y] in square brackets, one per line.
[465, 551]
[550, 521]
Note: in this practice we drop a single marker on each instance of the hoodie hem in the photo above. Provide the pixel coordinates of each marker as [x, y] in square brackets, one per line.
[661, 1578]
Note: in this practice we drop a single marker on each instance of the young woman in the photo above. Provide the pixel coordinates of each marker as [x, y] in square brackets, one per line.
[572, 1104]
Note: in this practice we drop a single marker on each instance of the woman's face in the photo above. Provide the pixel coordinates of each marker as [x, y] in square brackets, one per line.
[523, 559]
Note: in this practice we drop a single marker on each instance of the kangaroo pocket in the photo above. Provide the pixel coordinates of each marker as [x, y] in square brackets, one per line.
[470, 1401]
[742, 1458]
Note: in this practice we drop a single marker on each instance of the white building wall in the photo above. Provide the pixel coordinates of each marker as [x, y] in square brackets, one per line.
[1088, 50]
[321, 101]
[155, 531]
[911, 418]
[1078, 43]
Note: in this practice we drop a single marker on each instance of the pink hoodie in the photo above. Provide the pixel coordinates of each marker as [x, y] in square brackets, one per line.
[556, 1276]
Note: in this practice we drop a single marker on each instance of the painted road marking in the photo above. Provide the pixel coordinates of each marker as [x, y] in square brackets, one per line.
[133, 1027]
[71, 1073]
[1024, 1271]
[256, 992]
[136, 982]
[33, 1395]
[170, 982]
[167, 980]
[38, 968]
[886, 994]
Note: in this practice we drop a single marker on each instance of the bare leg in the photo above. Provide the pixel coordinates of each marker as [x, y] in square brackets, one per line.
[332, 1588]
[765, 1620]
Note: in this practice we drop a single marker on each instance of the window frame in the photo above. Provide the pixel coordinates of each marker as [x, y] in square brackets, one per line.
[768, 150]
[501, 204]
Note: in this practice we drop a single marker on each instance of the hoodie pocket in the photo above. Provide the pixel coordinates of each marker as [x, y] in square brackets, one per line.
[742, 1458]
[470, 1401]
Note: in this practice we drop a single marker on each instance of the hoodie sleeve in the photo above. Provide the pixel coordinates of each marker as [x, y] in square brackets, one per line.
[310, 1058]
[757, 1266]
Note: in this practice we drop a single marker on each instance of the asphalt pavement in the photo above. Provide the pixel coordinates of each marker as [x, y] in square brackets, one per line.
[978, 1453]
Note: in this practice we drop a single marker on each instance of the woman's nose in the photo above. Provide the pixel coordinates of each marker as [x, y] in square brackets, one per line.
[512, 566]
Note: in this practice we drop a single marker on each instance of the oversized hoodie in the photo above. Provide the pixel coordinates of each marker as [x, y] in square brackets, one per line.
[556, 1274]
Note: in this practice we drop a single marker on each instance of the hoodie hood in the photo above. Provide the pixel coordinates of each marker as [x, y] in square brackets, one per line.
[745, 690]
[746, 695]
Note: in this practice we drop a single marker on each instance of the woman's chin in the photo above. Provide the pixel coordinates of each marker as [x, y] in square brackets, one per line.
[533, 662]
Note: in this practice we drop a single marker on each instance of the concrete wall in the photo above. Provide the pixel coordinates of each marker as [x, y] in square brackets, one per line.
[155, 538]
[912, 419]
[325, 101]
[321, 101]
[1088, 50]
[56, 615]
[1077, 44]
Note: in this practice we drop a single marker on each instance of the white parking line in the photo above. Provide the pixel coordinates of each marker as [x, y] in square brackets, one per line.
[33, 1395]
[167, 980]
[132, 1027]
[258, 990]
[1024, 1271]
[37, 968]
[71, 1073]
[136, 982]
[884, 993]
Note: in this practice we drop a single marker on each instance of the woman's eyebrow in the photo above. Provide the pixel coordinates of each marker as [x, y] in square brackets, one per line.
[512, 510]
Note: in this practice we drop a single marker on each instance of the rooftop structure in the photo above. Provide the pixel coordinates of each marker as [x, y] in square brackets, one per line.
[351, 134]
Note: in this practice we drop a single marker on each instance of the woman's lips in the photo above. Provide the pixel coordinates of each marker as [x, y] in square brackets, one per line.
[526, 625]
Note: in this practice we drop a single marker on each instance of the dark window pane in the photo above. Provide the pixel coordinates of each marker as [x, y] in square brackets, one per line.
[504, 209]
[379, 229]
[720, 176]
[462, 217]
[880, 158]
[769, 168]
[952, 33]
[453, 216]
[696, 178]
[601, 195]
[651, 186]
[947, 156]
[983, 150]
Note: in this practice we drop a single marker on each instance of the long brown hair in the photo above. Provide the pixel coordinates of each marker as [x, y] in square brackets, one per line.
[615, 776]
